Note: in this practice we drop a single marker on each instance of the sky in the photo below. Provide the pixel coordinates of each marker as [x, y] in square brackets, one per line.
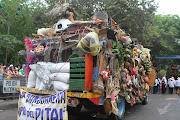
[168, 7]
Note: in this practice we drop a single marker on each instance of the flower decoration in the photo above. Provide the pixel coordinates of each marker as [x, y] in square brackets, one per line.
[31, 51]
[105, 74]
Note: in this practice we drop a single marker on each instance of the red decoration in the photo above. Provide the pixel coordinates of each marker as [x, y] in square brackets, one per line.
[105, 74]
[132, 71]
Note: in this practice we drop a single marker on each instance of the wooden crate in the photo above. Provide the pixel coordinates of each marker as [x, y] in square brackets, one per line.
[81, 73]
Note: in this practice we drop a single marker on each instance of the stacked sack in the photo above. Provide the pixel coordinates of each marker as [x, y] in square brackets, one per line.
[45, 75]
[39, 76]
[60, 75]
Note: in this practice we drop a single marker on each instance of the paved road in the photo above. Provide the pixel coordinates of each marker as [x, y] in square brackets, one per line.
[160, 107]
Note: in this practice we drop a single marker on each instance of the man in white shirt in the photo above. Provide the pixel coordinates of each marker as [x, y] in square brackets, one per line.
[177, 83]
[155, 89]
[158, 85]
[171, 84]
[164, 83]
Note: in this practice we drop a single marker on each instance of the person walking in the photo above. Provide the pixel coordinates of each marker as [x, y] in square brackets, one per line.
[159, 85]
[177, 83]
[155, 89]
[171, 84]
[164, 83]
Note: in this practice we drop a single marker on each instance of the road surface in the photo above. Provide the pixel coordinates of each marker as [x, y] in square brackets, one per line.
[160, 107]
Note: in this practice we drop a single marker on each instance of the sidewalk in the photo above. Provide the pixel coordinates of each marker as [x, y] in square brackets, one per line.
[8, 104]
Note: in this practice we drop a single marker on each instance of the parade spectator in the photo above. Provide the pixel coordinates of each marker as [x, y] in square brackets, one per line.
[177, 83]
[21, 71]
[171, 84]
[1, 71]
[7, 71]
[164, 83]
[12, 71]
[155, 89]
[9, 65]
[19, 67]
[16, 71]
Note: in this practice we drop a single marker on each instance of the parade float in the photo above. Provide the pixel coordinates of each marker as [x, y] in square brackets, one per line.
[101, 67]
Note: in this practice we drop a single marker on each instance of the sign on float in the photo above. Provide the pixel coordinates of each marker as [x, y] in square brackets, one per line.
[42, 107]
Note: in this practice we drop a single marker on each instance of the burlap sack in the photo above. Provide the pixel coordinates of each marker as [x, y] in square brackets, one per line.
[108, 106]
[98, 86]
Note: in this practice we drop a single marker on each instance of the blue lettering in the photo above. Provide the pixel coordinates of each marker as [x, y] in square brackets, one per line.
[20, 110]
[46, 100]
[54, 111]
[31, 114]
[27, 113]
[48, 109]
[61, 114]
[24, 111]
[42, 114]
[35, 98]
[38, 111]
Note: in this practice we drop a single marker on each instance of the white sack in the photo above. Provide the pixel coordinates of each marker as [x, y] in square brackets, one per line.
[38, 82]
[42, 86]
[60, 85]
[43, 72]
[31, 79]
[33, 67]
[63, 77]
[60, 67]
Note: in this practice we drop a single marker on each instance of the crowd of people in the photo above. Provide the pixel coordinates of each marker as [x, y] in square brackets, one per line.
[12, 70]
[161, 85]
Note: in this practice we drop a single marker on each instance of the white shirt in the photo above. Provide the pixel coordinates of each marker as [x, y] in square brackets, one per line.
[156, 82]
[171, 83]
[165, 80]
[178, 83]
[159, 80]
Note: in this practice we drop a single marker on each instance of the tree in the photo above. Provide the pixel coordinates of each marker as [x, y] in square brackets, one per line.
[162, 37]
[22, 25]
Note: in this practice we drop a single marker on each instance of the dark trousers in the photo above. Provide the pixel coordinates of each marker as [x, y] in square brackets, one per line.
[171, 90]
[163, 89]
[158, 88]
[155, 89]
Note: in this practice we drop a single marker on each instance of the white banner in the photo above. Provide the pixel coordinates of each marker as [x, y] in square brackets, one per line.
[42, 107]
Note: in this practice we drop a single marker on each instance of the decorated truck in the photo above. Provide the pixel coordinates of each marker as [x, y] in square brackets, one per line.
[100, 65]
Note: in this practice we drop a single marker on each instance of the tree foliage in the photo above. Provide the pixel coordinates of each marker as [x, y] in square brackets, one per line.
[20, 26]
[163, 38]
[159, 33]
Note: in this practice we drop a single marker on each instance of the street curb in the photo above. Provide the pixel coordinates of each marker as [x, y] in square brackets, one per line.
[8, 104]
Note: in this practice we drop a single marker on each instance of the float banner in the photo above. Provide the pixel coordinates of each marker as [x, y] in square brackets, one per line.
[42, 107]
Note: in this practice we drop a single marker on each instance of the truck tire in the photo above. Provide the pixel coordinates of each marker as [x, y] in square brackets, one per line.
[73, 112]
[146, 99]
[121, 109]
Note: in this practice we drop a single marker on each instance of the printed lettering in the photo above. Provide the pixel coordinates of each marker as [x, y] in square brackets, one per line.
[48, 109]
[54, 112]
[38, 111]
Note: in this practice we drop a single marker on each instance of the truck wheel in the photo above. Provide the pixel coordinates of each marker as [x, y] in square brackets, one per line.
[73, 112]
[146, 99]
[121, 109]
